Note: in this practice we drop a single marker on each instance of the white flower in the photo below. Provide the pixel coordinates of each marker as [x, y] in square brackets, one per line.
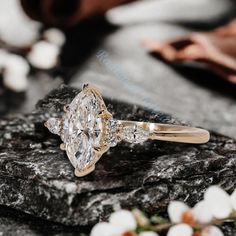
[54, 36]
[16, 28]
[124, 219]
[180, 230]
[17, 83]
[15, 74]
[176, 209]
[148, 233]
[105, 229]
[120, 222]
[202, 213]
[233, 199]
[211, 231]
[218, 202]
[44, 55]
[16, 64]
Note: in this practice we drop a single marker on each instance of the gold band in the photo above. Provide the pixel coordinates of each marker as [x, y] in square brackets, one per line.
[173, 133]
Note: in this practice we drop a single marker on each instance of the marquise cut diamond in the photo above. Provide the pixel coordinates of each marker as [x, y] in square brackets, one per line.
[88, 130]
[83, 129]
[134, 134]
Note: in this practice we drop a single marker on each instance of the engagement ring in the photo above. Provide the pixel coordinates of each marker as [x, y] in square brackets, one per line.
[88, 130]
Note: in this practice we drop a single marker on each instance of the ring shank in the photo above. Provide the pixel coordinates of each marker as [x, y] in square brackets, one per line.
[173, 133]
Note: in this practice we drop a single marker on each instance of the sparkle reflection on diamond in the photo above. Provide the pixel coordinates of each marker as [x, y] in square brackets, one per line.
[134, 134]
[53, 124]
[83, 128]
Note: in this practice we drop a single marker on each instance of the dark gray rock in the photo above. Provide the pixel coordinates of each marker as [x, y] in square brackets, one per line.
[16, 223]
[36, 177]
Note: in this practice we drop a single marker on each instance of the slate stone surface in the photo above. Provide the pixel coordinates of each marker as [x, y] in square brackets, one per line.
[16, 223]
[37, 178]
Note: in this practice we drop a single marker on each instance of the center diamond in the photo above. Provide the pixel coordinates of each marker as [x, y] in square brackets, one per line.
[83, 128]
[88, 130]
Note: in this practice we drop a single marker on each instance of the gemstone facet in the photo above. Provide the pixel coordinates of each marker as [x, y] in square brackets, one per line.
[54, 125]
[83, 128]
[134, 134]
[112, 136]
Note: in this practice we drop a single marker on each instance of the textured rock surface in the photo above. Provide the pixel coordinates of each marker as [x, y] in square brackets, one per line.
[16, 223]
[36, 177]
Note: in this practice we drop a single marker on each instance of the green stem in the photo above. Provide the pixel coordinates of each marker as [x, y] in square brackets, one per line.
[162, 227]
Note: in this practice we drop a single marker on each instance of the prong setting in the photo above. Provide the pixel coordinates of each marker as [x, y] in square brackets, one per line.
[85, 86]
[82, 173]
[62, 146]
[66, 108]
[84, 130]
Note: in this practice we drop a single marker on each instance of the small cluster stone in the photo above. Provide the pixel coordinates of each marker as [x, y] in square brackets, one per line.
[113, 127]
[54, 125]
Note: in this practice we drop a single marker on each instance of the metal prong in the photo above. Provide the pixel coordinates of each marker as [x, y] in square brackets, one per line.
[85, 86]
[101, 114]
[87, 171]
[66, 107]
[63, 146]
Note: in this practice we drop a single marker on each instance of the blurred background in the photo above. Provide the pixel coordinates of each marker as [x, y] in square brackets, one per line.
[175, 56]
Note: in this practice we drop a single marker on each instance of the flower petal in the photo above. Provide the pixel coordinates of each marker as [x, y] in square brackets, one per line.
[16, 64]
[16, 83]
[211, 231]
[202, 213]
[105, 229]
[148, 233]
[218, 202]
[180, 230]
[55, 36]
[176, 210]
[21, 31]
[15, 73]
[233, 199]
[44, 55]
[123, 219]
